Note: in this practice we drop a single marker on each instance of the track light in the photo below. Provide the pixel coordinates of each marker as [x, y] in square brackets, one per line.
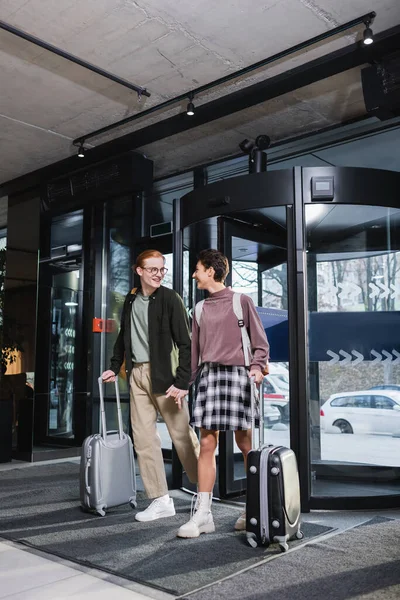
[263, 142]
[81, 151]
[368, 36]
[246, 146]
[190, 106]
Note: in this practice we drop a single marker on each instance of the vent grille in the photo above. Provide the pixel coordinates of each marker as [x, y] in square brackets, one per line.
[83, 181]
[389, 71]
[128, 173]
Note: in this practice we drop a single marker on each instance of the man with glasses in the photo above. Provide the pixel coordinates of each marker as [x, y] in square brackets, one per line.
[154, 342]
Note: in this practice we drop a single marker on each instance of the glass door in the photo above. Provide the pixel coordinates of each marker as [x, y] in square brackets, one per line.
[353, 272]
[61, 367]
[255, 243]
[64, 327]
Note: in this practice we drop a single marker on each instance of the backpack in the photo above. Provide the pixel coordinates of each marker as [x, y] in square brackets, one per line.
[238, 310]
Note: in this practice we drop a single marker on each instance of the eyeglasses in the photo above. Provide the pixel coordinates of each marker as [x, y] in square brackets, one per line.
[154, 270]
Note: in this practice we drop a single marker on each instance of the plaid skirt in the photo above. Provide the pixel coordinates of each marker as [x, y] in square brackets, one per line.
[223, 398]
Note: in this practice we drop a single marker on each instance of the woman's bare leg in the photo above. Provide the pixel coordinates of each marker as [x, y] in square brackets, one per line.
[206, 467]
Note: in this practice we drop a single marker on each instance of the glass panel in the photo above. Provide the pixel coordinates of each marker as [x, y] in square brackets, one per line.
[168, 278]
[66, 234]
[62, 362]
[353, 270]
[259, 270]
[119, 279]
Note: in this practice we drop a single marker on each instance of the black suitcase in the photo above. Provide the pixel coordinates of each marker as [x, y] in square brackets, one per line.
[273, 491]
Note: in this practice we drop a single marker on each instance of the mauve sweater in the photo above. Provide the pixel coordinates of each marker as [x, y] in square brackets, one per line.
[219, 340]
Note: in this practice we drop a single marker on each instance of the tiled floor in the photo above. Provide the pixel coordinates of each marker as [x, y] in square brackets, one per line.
[29, 575]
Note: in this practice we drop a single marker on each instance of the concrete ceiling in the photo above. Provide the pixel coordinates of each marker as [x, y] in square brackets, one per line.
[170, 48]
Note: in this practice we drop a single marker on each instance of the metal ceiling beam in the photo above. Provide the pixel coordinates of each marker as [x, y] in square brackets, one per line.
[82, 63]
[366, 19]
[321, 68]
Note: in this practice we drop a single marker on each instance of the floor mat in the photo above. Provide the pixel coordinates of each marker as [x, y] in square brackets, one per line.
[40, 507]
[360, 564]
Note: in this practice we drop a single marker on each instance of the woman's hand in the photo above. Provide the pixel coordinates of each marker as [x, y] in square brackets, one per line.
[257, 374]
[177, 394]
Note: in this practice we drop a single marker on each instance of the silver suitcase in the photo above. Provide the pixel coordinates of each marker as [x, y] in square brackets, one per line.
[108, 474]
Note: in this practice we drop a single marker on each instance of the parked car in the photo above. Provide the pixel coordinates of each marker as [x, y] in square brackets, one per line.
[276, 390]
[363, 411]
[272, 415]
[387, 386]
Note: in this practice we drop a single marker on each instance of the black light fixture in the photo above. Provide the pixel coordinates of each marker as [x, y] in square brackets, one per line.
[368, 36]
[246, 146]
[255, 150]
[190, 106]
[81, 151]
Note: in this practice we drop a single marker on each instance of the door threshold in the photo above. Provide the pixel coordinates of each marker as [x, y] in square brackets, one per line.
[53, 453]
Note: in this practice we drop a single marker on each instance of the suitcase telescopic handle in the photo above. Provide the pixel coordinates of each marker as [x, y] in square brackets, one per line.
[103, 410]
[253, 396]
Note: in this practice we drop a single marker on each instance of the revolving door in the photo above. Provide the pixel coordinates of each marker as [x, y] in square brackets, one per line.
[320, 257]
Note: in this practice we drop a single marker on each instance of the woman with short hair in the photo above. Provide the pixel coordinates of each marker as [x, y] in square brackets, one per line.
[223, 400]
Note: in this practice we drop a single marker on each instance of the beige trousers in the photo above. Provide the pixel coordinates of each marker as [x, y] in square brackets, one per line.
[147, 442]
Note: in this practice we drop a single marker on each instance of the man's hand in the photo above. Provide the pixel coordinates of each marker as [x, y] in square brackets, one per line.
[257, 374]
[108, 376]
[177, 394]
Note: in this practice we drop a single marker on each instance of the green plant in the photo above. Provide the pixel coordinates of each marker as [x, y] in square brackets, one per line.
[10, 336]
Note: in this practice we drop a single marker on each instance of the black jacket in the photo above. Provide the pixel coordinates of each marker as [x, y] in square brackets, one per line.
[169, 340]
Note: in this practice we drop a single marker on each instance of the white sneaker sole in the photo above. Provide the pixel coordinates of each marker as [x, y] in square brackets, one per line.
[208, 528]
[146, 519]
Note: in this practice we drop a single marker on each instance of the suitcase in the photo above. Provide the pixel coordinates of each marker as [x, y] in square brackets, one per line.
[273, 490]
[107, 472]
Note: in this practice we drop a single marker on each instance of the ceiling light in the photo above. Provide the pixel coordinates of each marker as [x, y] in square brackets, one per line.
[71, 303]
[190, 106]
[81, 151]
[368, 36]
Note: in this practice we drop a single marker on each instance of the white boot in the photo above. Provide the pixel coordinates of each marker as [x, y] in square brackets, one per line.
[201, 520]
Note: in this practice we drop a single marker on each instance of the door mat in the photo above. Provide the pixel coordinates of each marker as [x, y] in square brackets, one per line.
[359, 564]
[39, 507]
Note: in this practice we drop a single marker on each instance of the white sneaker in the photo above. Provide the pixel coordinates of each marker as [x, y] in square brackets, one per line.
[240, 524]
[158, 509]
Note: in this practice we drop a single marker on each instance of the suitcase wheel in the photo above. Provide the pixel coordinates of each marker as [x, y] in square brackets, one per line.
[284, 547]
[251, 539]
[299, 535]
[132, 503]
[101, 512]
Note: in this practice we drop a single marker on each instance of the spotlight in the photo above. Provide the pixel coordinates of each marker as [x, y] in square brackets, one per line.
[190, 107]
[81, 151]
[263, 142]
[246, 146]
[368, 36]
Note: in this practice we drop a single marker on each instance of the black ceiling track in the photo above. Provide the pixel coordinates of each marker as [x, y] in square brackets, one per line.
[78, 61]
[368, 18]
[354, 55]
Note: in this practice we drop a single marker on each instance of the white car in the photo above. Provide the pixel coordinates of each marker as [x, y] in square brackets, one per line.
[276, 390]
[272, 415]
[366, 411]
